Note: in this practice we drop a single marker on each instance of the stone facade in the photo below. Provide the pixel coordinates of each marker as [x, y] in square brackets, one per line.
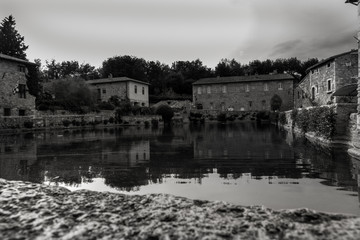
[324, 78]
[15, 99]
[243, 93]
[136, 91]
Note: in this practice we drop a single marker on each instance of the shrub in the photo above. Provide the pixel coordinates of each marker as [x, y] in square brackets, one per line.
[282, 118]
[221, 117]
[166, 113]
[147, 123]
[111, 120]
[105, 106]
[154, 122]
[302, 120]
[294, 114]
[28, 124]
[66, 122]
[263, 115]
[320, 120]
[136, 110]
[105, 121]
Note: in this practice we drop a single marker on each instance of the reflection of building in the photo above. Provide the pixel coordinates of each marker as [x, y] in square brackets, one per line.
[244, 93]
[129, 153]
[123, 87]
[15, 99]
[17, 157]
[239, 149]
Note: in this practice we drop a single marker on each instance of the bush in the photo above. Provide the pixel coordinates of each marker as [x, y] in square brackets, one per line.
[320, 120]
[105, 106]
[28, 124]
[147, 123]
[263, 115]
[221, 117]
[294, 114]
[282, 118]
[111, 120]
[154, 122]
[66, 122]
[166, 113]
[105, 121]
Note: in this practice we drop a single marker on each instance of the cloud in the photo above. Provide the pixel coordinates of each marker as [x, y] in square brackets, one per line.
[285, 47]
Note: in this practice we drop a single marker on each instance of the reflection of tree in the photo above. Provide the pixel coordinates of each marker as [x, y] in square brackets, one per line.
[331, 164]
[123, 158]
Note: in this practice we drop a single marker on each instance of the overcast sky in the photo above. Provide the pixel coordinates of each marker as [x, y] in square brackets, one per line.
[91, 31]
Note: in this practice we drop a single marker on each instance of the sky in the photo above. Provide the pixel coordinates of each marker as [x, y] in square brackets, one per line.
[91, 31]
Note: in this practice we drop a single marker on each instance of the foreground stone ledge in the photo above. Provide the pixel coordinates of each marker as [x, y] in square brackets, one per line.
[35, 211]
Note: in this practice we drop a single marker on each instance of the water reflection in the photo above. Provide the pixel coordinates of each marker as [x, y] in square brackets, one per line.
[241, 163]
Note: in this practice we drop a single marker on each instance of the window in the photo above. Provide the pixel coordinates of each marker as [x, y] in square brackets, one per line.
[313, 93]
[299, 94]
[280, 86]
[22, 91]
[143, 91]
[208, 89]
[315, 71]
[22, 69]
[135, 89]
[247, 88]
[266, 87]
[211, 105]
[329, 88]
[317, 89]
[21, 112]
[224, 88]
[199, 90]
[7, 112]
[250, 104]
[328, 65]
[143, 104]
[263, 103]
[99, 94]
[104, 90]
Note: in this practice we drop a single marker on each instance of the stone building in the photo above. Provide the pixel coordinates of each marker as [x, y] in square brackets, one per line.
[244, 93]
[333, 80]
[136, 91]
[15, 99]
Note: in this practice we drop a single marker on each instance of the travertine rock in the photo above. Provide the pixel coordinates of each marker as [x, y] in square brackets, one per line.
[34, 211]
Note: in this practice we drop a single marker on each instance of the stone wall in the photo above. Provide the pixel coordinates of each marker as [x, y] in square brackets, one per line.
[56, 120]
[313, 90]
[243, 96]
[9, 66]
[106, 90]
[141, 96]
[10, 98]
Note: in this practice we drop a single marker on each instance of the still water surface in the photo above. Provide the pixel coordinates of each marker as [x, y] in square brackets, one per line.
[245, 164]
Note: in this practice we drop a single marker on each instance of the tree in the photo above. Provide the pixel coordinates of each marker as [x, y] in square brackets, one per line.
[166, 113]
[156, 73]
[11, 42]
[33, 78]
[74, 94]
[228, 67]
[125, 66]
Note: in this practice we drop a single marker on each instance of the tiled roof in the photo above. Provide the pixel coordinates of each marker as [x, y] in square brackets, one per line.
[330, 59]
[252, 78]
[14, 59]
[113, 80]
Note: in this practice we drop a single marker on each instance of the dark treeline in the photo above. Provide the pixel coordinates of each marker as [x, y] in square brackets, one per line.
[174, 80]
